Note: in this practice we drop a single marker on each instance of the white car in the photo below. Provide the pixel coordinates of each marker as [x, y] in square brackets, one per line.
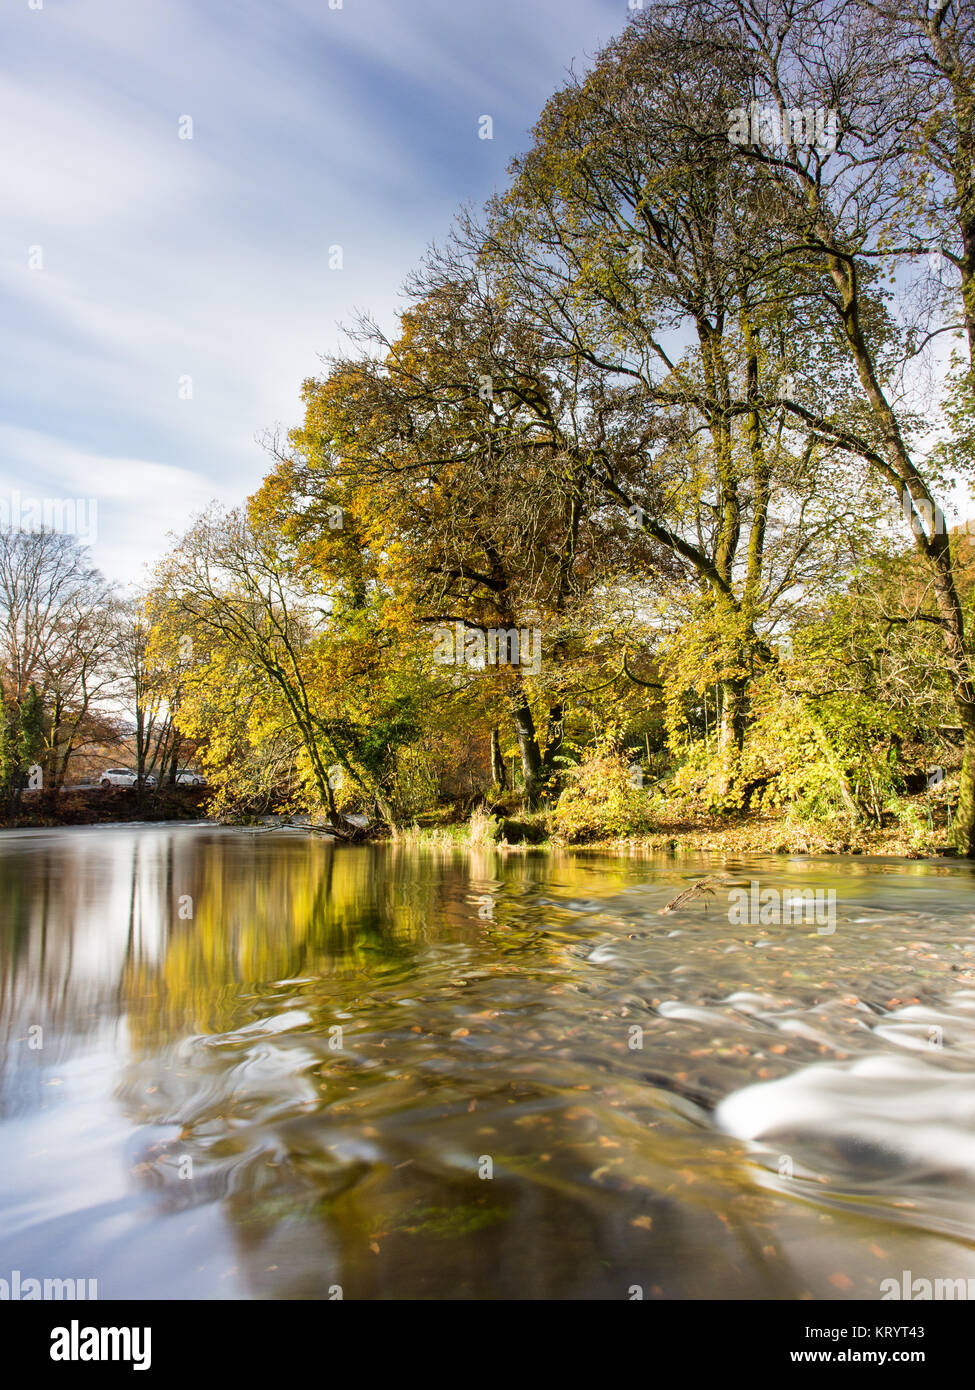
[118, 777]
[124, 777]
[186, 778]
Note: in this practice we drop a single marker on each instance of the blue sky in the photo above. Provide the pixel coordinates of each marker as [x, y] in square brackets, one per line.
[133, 260]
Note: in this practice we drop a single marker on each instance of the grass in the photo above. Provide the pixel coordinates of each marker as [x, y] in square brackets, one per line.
[912, 832]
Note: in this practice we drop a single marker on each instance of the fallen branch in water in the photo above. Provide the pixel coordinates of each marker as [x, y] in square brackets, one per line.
[347, 833]
[704, 887]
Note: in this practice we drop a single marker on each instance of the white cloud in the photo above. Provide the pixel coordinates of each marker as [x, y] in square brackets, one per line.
[208, 258]
[137, 501]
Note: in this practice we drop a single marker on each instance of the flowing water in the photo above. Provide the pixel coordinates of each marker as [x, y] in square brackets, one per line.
[250, 1064]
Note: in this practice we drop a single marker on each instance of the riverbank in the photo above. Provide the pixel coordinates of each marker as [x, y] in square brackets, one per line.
[916, 833]
[100, 806]
[779, 835]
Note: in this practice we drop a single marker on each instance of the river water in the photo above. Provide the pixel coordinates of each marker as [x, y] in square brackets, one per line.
[247, 1064]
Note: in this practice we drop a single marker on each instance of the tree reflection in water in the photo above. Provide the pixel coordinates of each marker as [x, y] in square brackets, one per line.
[403, 1073]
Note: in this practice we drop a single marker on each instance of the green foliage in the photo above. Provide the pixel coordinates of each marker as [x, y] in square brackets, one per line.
[600, 801]
[582, 425]
[22, 740]
[820, 755]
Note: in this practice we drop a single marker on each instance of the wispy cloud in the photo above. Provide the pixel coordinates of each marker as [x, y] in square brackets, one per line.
[164, 259]
[131, 505]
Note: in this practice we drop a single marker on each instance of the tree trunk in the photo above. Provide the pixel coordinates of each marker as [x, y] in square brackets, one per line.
[553, 747]
[931, 540]
[731, 734]
[140, 747]
[499, 773]
[531, 758]
[963, 826]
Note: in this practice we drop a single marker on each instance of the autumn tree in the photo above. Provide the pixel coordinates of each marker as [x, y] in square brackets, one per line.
[886, 194]
[276, 660]
[56, 626]
[634, 247]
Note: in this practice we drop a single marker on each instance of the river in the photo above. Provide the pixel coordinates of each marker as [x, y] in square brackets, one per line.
[253, 1064]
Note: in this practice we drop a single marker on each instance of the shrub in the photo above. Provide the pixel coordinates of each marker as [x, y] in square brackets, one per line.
[601, 802]
[485, 829]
